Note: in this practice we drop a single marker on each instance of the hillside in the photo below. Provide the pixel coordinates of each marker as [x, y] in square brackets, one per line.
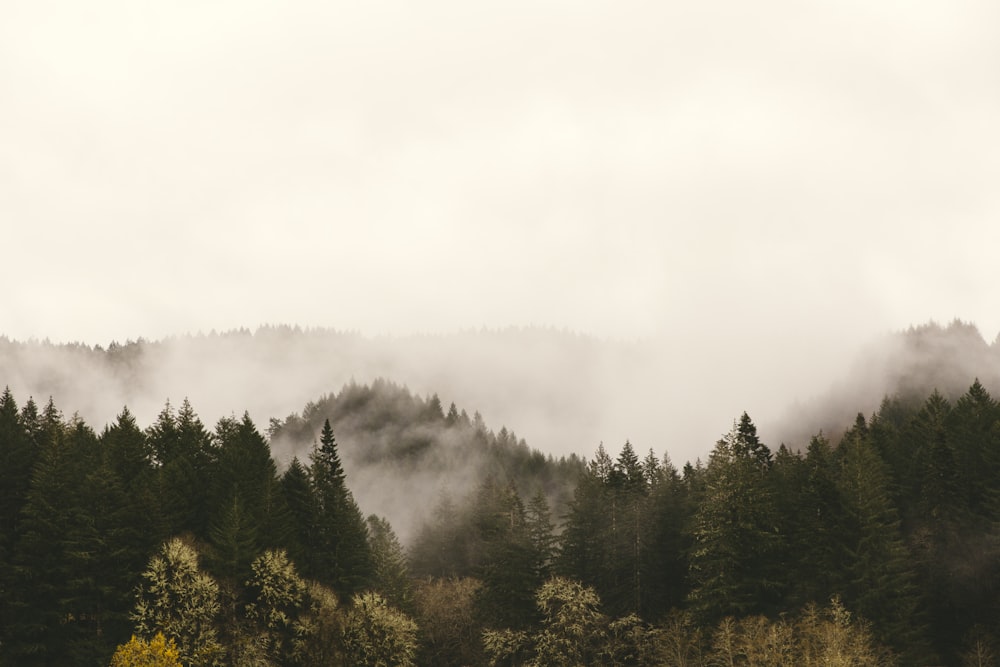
[908, 365]
[404, 453]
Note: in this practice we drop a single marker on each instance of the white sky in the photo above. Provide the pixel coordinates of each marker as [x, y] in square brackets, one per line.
[792, 174]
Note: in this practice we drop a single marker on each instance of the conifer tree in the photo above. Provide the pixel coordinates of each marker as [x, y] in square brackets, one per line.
[734, 535]
[390, 574]
[817, 536]
[342, 555]
[507, 562]
[975, 434]
[17, 456]
[300, 500]
[585, 553]
[247, 508]
[443, 546]
[882, 581]
[42, 599]
[664, 551]
[541, 533]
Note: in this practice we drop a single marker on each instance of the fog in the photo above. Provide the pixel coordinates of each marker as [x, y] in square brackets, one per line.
[564, 393]
[723, 202]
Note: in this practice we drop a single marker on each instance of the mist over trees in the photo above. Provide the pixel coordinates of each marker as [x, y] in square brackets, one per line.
[177, 542]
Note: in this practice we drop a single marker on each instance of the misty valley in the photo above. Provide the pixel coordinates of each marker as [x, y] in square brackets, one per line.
[379, 525]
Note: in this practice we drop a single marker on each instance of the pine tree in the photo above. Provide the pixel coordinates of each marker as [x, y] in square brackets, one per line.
[507, 562]
[541, 533]
[818, 533]
[248, 513]
[443, 546]
[391, 575]
[734, 531]
[664, 551]
[621, 583]
[882, 582]
[297, 491]
[186, 473]
[342, 555]
[585, 553]
[17, 456]
[104, 548]
[42, 600]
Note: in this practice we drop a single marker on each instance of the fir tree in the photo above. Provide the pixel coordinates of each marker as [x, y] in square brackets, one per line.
[735, 534]
[882, 582]
[391, 575]
[342, 555]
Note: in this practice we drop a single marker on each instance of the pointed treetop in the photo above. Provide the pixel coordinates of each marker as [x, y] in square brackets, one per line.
[628, 467]
[651, 469]
[326, 460]
[7, 403]
[602, 466]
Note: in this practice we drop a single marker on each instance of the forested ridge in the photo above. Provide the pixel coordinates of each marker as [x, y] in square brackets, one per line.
[195, 545]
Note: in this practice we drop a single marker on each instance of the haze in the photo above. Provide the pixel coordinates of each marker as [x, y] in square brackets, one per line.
[747, 191]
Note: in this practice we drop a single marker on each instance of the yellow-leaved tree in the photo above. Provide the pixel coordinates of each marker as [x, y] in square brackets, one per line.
[157, 652]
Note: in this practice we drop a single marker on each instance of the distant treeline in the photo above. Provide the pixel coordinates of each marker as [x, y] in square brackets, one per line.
[882, 548]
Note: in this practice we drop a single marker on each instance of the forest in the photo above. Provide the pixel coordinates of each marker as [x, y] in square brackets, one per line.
[175, 543]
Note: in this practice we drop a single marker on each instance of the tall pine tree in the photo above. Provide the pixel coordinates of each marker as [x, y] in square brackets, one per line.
[341, 557]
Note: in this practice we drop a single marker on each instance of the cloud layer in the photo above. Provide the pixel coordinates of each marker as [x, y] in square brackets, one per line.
[753, 190]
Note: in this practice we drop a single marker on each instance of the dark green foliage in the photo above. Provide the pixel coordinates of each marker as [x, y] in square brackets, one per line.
[297, 490]
[623, 533]
[384, 426]
[390, 572]
[247, 511]
[233, 534]
[506, 560]
[540, 531]
[46, 601]
[18, 451]
[882, 582]
[444, 547]
[735, 531]
[900, 520]
[663, 553]
[814, 521]
[340, 556]
[184, 453]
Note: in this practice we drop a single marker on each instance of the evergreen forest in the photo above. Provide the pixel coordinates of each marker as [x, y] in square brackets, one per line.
[176, 543]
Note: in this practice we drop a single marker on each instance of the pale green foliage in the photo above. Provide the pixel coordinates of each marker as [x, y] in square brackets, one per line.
[448, 630]
[980, 649]
[753, 641]
[180, 601]
[321, 643]
[391, 571]
[573, 625]
[377, 635]
[277, 596]
[833, 638]
[819, 638]
[506, 647]
[680, 641]
[630, 641]
[573, 630]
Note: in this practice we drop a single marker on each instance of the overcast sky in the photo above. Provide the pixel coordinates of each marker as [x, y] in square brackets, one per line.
[789, 174]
